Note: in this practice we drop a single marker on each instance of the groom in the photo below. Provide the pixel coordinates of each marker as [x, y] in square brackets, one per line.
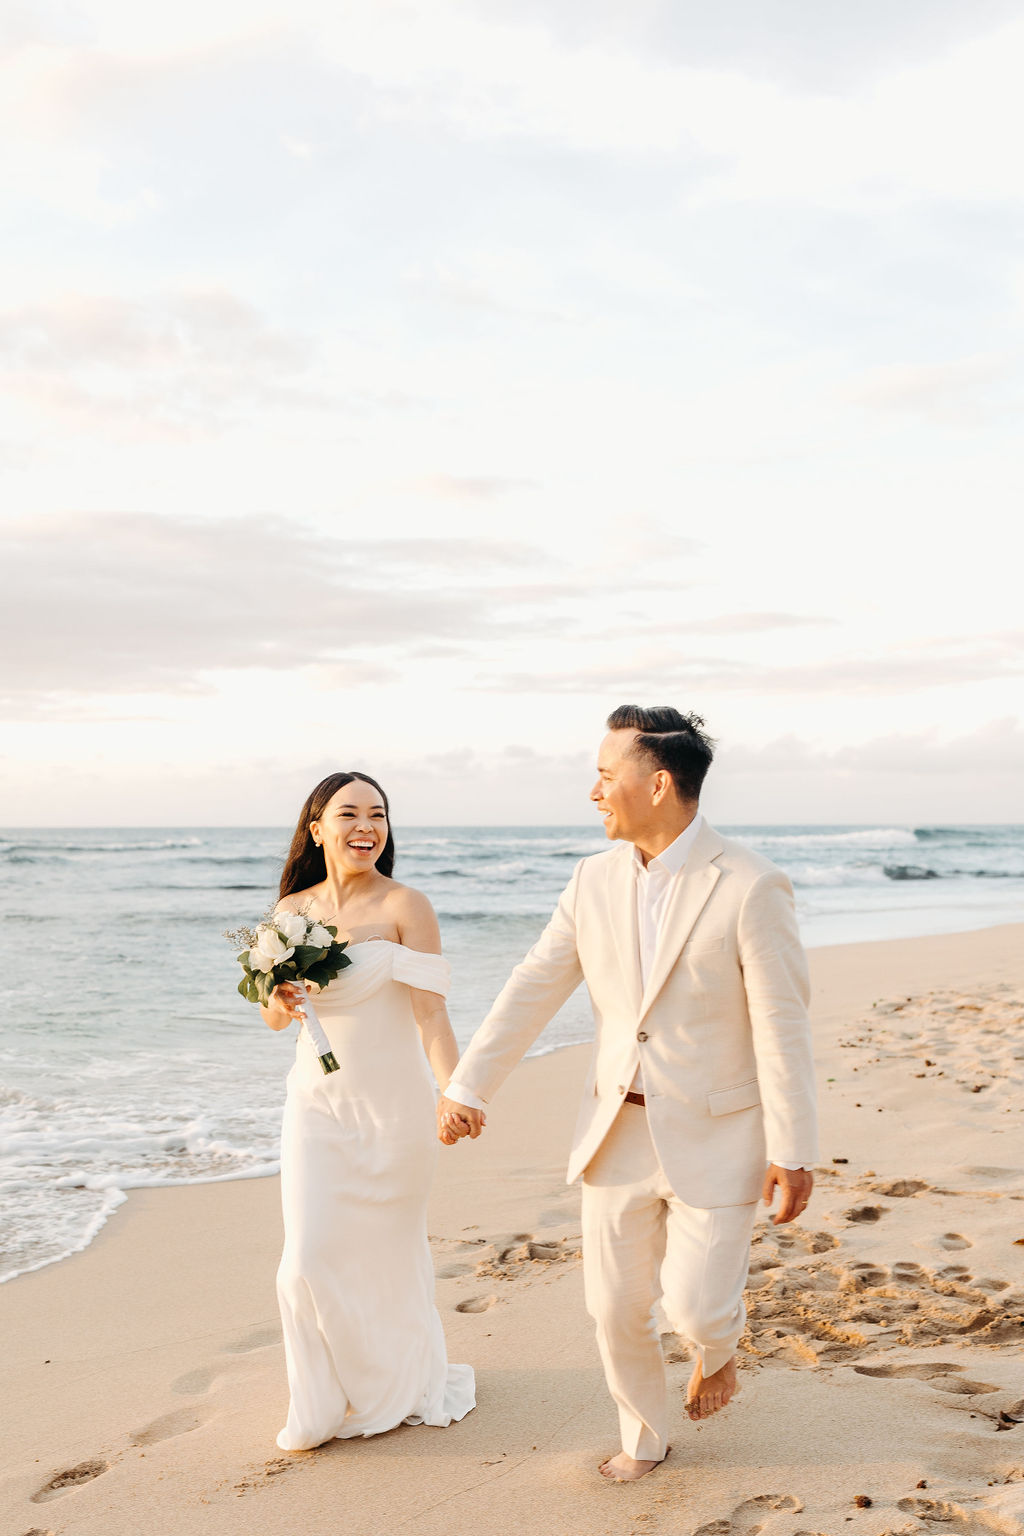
[701, 1078]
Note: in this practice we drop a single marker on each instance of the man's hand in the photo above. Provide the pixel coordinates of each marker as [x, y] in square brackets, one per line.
[456, 1120]
[796, 1185]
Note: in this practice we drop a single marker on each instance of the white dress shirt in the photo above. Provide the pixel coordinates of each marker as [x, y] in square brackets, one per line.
[654, 886]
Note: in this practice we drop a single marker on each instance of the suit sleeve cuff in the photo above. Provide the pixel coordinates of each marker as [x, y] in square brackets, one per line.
[777, 1162]
[465, 1096]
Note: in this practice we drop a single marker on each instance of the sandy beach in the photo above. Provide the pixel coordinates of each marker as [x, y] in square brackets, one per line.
[882, 1372]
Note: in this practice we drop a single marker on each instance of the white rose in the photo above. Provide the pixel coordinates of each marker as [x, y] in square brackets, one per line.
[270, 951]
[292, 926]
[319, 937]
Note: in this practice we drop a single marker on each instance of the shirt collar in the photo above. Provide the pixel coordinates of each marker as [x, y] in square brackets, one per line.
[671, 860]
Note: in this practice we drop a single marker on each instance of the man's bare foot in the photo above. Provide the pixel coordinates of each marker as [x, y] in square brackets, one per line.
[703, 1398]
[625, 1469]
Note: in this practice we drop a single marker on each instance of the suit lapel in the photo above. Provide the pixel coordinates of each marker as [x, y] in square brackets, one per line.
[623, 924]
[692, 888]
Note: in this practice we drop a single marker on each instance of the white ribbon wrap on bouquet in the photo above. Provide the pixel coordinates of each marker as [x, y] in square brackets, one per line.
[318, 1036]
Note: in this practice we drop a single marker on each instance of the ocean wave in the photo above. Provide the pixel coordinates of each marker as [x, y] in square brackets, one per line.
[198, 885]
[45, 847]
[951, 834]
[870, 836]
[239, 858]
[838, 875]
[925, 872]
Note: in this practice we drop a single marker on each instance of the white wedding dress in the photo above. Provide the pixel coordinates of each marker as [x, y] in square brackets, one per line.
[363, 1340]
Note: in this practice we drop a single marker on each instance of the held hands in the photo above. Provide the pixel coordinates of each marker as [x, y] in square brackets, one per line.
[456, 1120]
[795, 1185]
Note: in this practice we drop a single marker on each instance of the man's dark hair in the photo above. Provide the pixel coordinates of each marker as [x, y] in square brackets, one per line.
[667, 739]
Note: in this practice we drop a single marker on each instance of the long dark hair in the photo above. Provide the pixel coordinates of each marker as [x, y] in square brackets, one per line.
[305, 864]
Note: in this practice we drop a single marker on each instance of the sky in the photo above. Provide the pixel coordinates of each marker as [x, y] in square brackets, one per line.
[403, 386]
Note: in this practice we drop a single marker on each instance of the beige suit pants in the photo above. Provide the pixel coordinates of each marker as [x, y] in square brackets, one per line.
[642, 1243]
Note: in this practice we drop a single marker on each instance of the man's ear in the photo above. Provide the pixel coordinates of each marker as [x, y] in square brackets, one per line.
[663, 783]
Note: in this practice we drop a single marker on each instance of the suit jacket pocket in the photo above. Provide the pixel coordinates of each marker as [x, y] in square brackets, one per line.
[701, 946]
[727, 1100]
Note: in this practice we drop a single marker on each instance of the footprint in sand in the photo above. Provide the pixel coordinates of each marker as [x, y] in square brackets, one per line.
[37, 1530]
[952, 1516]
[181, 1422]
[506, 1258]
[901, 1189]
[925, 1371]
[866, 1212]
[194, 1382]
[256, 1338]
[954, 1240]
[810, 1242]
[865, 1274]
[940, 1375]
[72, 1477]
[749, 1517]
[475, 1304]
[962, 1387]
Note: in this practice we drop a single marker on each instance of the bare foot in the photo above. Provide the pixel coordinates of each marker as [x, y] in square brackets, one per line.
[703, 1398]
[625, 1469]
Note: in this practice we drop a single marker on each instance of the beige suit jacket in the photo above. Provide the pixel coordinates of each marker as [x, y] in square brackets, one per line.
[720, 1032]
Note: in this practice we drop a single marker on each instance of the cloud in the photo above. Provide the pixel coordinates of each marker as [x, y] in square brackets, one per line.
[173, 364]
[469, 487]
[959, 393]
[496, 282]
[834, 48]
[736, 134]
[740, 624]
[127, 604]
[930, 664]
[41, 23]
[995, 748]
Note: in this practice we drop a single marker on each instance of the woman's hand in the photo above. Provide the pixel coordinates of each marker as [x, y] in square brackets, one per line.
[285, 1005]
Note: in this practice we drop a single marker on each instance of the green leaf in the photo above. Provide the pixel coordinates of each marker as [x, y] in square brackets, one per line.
[305, 956]
[243, 958]
[243, 987]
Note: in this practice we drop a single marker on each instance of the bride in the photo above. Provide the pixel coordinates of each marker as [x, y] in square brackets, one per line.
[363, 1340]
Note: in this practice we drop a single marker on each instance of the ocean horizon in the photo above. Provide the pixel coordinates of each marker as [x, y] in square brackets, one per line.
[130, 1060]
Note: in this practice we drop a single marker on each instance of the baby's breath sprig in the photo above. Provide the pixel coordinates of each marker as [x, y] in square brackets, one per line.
[240, 938]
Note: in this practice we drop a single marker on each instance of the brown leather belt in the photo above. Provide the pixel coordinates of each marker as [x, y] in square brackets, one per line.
[634, 1098]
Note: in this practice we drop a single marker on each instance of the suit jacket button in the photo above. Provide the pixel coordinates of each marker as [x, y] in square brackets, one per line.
[621, 1089]
[641, 1034]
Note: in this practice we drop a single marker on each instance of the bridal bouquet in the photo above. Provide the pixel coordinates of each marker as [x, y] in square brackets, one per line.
[292, 947]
